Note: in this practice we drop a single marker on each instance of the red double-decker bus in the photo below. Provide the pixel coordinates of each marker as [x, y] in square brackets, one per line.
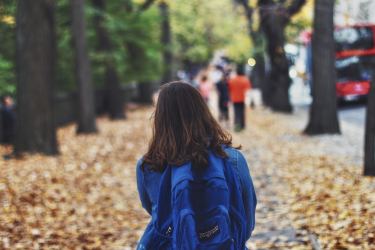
[355, 60]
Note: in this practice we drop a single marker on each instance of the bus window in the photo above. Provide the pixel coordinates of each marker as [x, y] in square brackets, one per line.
[354, 38]
[355, 68]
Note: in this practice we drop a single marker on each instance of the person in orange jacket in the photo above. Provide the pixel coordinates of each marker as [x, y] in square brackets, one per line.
[238, 86]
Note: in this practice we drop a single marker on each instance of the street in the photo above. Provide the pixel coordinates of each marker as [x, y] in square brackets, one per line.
[353, 113]
[352, 124]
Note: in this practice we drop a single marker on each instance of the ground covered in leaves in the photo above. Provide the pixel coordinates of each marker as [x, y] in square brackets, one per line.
[318, 187]
[83, 199]
[309, 193]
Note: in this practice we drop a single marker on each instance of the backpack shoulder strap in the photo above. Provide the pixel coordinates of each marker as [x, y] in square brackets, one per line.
[163, 218]
[234, 186]
[181, 173]
[186, 171]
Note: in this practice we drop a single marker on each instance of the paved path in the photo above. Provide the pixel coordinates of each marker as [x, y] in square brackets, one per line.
[352, 123]
[274, 229]
[354, 114]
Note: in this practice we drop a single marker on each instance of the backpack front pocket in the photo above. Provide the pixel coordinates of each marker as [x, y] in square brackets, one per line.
[155, 240]
[207, 231]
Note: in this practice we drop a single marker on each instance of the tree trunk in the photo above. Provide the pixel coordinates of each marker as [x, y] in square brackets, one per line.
[258, 72]
[369, 169]
[166, 41]
[275, 16]
[145, 92]
[323, 111]
[86, 109]
[258, 76]
[114, 94]
[36, 52]
[273, 24]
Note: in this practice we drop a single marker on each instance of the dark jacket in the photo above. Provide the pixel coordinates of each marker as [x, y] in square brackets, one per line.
[8, 120]
[222, 88]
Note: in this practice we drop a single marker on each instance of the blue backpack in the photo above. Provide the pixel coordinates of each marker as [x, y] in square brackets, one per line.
[199, 209]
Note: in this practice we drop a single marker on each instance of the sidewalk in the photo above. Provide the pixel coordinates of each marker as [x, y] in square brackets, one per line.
[274, 229]
[309, 189]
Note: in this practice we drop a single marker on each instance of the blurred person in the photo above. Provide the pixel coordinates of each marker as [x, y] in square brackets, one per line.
[216, 73]
[8, 120]
[205, 87]
[238, 86]
[194, 184]
[223, 97]
[182, 75]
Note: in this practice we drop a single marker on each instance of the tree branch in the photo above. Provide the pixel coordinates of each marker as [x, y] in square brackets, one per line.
[295, 7]
[248, 10]
[249, 15]
[147, 4]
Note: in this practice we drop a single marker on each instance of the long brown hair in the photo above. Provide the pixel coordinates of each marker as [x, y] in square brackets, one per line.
[184, 129]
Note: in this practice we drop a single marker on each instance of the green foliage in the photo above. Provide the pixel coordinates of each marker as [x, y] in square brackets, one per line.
[199, 29]
[65, 58]
[202, 27]
[7, 47]
[240, 48]
[7, 81]
[135, 44]
[301, 21]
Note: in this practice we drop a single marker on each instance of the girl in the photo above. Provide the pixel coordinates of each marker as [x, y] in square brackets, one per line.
[186, 134]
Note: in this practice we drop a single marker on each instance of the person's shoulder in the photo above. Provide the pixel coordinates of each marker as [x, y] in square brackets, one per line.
[235, 156]
[232, 153]
[140, 161]
[232, 79]
[143, 167]
[244, 78]
[139, 164]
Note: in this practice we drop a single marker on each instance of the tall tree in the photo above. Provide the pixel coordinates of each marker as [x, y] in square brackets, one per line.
[275, 16]
[370, 132]
[166, 40]
[113, 88]
[35, 45]
[145, 88]
[86, 105]
[323, 111]
[258, 72]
